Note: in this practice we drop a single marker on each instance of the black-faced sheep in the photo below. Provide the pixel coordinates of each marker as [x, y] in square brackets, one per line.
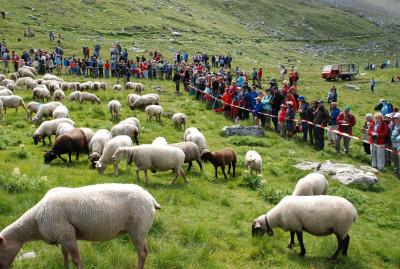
[96, 145]
[221, 159]
[191, 151]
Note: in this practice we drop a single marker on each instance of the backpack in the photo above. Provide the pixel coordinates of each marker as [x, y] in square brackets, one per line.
[387, 108]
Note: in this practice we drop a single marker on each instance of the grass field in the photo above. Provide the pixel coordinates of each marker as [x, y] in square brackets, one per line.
[206, 223]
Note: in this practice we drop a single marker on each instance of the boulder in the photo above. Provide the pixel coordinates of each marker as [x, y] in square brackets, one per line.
[243, 130]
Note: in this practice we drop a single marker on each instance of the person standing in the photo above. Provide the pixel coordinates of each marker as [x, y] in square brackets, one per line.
[395, 138]
[290, 119]
[332, 95]
[368, 119]
[321, 117]
[372, 84]
[303, 108]
[177, 78]
[346, 122]
[276, 101]
[259, 76]
[310, 117]
[378, 132]
[334, 126]
[267, 109]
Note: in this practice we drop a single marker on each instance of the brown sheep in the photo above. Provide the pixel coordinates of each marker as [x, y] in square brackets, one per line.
[73, 141]
[220, 159]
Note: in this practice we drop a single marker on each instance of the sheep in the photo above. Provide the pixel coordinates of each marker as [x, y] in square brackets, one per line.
[48, 128]
[311, 184]
[23, 72]
[64, 86]
[253, 161]
[7, 81]
[11, 87]
[96, 86]
[159, 141]
[114, 107]
[179, 119]
[1, 111]
[25, 67]
[13, 76]
[154, 157]
[145, 100]
[220, 159]
[60, 112]
[117, 87]
[12, 101]
[5, 92]
[33, 107]
[72, 141]
[137, 87]
[41, 93]
[59, 95]
[75, 96]
[92, 213]
[45, 110]
[132, 97]
[103, 85]
[96, 145]
[192, 134]
[2, 77]
[130, 130]
[154, 110]
[191, 151]
[109, 150]
[318, 215]
[72, 86]
[51, 77]
[31, 84]
[85, 96]
[133, 121]
[40, 81]
[84, 86]
[22, 82]
[63, 128]
[54, 86]
[88, 133]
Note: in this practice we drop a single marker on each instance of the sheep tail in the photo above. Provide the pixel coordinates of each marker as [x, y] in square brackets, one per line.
[156, 205]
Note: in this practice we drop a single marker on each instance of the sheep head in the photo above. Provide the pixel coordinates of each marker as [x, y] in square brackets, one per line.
[261, 226]
[94, 157]
[36, 138]
[49, 156]
[205, 155]
[8, 250]
[100, 167]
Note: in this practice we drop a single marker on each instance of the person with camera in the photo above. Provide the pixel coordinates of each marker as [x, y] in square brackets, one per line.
[346, 122]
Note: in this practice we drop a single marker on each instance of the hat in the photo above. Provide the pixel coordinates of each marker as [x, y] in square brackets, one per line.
[390, 115]
[289, 103]
[301, 97]
[396, 116]
[320, 101]
[382, 100]
[347, 108]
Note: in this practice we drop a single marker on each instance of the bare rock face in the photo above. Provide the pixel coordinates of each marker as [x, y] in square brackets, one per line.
[243, 130]
[344, 173]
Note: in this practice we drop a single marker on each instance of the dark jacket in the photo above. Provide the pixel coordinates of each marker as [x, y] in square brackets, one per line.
[321, 116]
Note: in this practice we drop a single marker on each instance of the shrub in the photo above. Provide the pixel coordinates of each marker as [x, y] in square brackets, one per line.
[254, 182]
[272, 195]
[21, 153]
[18, 183]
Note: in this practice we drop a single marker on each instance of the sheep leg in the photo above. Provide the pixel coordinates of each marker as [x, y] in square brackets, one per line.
[190, 166]
[234, 168]
[229, 168]
[300, 239]
[49, 139]
[72, 248]
[69, 157]
[346, 245]
[223, 171]
[142, 251]
[176, 173]
[65, 255]
[183, 175]
[339, 248]
[137, 175]
[216, 175]
[291, 244]
[116, 170]
[145, 175]
[77, 156]
[201, 166]
[59, 156]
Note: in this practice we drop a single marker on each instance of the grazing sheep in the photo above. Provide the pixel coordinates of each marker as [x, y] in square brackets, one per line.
[23, 72]
[48, 128]
[41, 93]
[59, 95]
[72, 86]
[132, 97]
[88, 133]
[75, 96]
[220, 159]
[179, 119]
[109, 149]
[63, 128]
[312, 184]
[84, 86]
[72, 141]
[154, 110]
[191, 151]
[7, 81]
[159, 141]
[92, 213]
[25, 67]
[137, 87]
[146, 100]
[60, 112]
[192, 134]
[85, 96]
[154, 157]
[2, 77]
[22, 82]
[103, 85]
[253, 161]
[96, 86]
[96, 145]
[5, 92]
[45, 110]
[1, 110]
[13, 76]
[12, 101]
[126, 129]
[319, 215]
[31, 84]
[40, 81]
[133, 121]
[48, 76]
[54, 86]
[114, 107]
[33, 107]
[64, 86]
[11, 87]
[117, 87]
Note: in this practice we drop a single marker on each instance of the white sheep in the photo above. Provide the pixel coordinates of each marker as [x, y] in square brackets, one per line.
[103, 85]
[63, 128]
[22, 82]
[72, 86]
[13, 76]
[192, 134]
[114, 107]
[11, 87]
[7, 81]
[41, 93]
[29, 68]
[48, 76]
[60, 112]
[146, 100]
[53, 86]
[154, 157]
[159, 141]
[312, 184]
[88, 133]
[95, 86]
[92, 213]
[179, 119]
[132, 97]
[12, 101]
[191, 151]
[75, 96]
[59, 95]
[5, 92]
[2, 77]
[85, 96]
[23, 72]
[253, 161]
[33, 107]
[128, 129]
[137, 87]
[132, 120]
[154, 110]
[40, 81]
[109, 149]
[117, 87]
[318, 215]
[48, 128]
[45, 110]
[31, 84]
[64, 86]
[97, 143]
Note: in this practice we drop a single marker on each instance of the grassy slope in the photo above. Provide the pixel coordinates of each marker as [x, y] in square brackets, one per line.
[205, 224]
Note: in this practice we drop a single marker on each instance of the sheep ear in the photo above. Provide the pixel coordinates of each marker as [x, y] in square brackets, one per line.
[257, 224]
[2, 239]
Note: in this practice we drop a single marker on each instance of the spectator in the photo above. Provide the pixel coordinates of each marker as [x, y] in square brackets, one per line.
[303, 109]
[276, 101]
[177, 78]
[332, 95]
[267, 109]
[258, 108]
[334, 126]
[364, 130]
[290, 119]
[321, 117]
[259, 76]
[346, 122]
[384, 107]
[281, 120]
[395, 138]
[107, 69]
[372, 84]
[378, 132]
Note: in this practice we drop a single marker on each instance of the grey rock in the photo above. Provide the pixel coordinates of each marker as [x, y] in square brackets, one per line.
[243, 130]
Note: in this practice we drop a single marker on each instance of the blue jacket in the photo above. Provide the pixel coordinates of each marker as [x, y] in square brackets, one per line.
[334, 113]
[258, 108]
[253, 96]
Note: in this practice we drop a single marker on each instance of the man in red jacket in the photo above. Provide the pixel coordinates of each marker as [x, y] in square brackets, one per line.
[378, 132]
[345, 122]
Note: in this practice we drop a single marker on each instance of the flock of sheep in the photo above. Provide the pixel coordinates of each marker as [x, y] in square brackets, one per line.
[128, 208]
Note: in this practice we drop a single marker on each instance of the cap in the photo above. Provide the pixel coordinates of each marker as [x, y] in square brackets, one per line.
[396, 116]
[347, 108]
[301, 97]
[382, 100]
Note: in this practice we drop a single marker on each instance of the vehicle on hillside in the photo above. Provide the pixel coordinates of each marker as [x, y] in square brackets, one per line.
[339, 71]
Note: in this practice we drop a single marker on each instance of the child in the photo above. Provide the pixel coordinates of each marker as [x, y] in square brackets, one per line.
[281, 120]
[257, 109]
[235, 109]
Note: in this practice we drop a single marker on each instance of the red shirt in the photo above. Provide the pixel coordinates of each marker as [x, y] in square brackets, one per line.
[351, 121]
[382, 131]
[227, 99]
[107, 66]
[282, 115]
[260, 73]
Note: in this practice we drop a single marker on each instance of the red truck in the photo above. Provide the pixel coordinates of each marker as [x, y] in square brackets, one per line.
[337, 71]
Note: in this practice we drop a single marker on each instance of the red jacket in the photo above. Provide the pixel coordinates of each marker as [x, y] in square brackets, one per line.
[351, 121]
[382, 131]
[227, 99]
[282, 115]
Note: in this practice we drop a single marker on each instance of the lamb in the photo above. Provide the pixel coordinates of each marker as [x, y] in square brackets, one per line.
[114, 107]
[220, 159]
[154, 110]
[85, 96]
[159, 141]
[12, 101]
[45, 110]
[253, 161]
[60, 112]
[92, 213]
[88, 133]
[126, 129]
[319, 215]
[72, 141]
[5, 92]
[146, 100]
[179, 119]
[117, 87]
[137, 87]
[109, 149]
[154, 157]
[48, 128]
[96, 145]
[33, 107]
[132, 97]
[192, 134]
[191, 151]
[59, 95]
[41, 93]
[63, 128]
[312, 184]
[75, 96]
